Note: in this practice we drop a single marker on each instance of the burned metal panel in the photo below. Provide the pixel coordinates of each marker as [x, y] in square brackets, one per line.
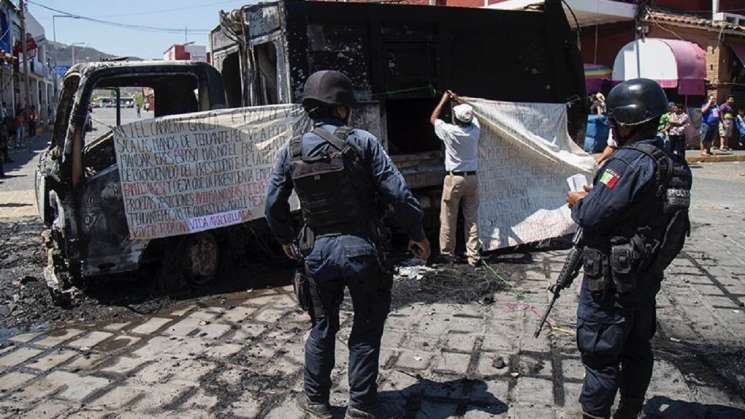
[262, 19]
[369, 116]
[341, 46]
[104, 234]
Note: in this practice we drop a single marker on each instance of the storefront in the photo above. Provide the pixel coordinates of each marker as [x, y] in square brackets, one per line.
[678, 66]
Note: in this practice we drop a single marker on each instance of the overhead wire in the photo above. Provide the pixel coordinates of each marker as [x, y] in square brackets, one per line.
[144, 28]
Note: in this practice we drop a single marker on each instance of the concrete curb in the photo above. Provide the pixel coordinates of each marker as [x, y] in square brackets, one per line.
[716, 158]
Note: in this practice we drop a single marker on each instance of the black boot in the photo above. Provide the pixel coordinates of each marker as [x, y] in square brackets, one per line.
[628, 408]
[315, 410]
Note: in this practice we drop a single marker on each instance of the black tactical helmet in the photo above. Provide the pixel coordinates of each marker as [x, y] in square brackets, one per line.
[636, 101]
[329, 87]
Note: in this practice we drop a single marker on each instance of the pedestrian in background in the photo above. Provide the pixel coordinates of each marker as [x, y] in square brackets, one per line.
[598, 104]
[461, 184]
[709, 125]
[6, 131]
[32, 117]
[740, 122]
[337, 171]
[677, 123]
[664, 126]
[726, 123]
[19, 125]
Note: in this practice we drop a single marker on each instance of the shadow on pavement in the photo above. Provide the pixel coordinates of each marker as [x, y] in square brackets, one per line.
[660, 407]
[21, 156]
[433, 399]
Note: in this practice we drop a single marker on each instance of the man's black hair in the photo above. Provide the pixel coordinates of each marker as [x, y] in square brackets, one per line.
[317, 110]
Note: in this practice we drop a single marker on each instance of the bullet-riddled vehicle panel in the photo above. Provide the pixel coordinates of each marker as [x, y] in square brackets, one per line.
[77, 181]
[400, 57]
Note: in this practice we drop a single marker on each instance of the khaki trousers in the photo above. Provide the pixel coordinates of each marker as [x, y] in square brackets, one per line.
[459, 190]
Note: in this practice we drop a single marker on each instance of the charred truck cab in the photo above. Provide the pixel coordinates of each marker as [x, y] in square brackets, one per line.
[77, 180]
[400, 59]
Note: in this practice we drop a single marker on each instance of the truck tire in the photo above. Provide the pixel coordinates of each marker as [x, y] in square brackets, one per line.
[193, 259]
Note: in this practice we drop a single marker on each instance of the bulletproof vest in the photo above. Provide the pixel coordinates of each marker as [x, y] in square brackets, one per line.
[335, 192]
[649, 236]
[673, 182]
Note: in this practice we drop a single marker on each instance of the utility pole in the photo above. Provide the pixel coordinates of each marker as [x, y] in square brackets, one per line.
[24, 49]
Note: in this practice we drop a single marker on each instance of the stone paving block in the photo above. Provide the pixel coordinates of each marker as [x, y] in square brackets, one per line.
[498, 343]
[113, 327]
[80, 387]
[118, 397]
[238, 314]
[160, 395]
[122, 364]
[460, 342]
[248, 331]
[13, 379]
[494, 392]
[85, 362]
[288, 409]
[488, 363]
[431, 409]
[201, 401]
[47, 409]
[484, 412]
[534, 390]
[419, 343]
[181, 311]
[202, 314]
[192, 371]
[52, 359]
[246, 407]
[57, 336]
[222, 350]
[269, 315]
[90, 339]
[151, 325]
[528, 411]
[212, 331]
[18, 356]
[158, 370]
[398, 322]
[260, 300]
[41, 388]
[25, 337]
[392, 338]
[452, 362]
[572, 369]
[90, 414]
[183, 327]
[414, 360]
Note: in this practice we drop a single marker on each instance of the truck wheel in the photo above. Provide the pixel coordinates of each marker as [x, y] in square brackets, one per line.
[202, 258]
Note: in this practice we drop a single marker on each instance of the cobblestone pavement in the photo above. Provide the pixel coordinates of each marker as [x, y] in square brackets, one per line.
[240, 355]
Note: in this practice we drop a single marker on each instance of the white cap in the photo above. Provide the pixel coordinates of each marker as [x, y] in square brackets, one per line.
[463, 113]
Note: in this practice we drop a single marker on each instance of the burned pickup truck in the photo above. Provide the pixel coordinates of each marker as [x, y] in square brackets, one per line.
[77, 181]
[400, 57]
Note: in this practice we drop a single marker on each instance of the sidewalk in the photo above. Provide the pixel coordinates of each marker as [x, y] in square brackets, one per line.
[694, 156]
[17, 188]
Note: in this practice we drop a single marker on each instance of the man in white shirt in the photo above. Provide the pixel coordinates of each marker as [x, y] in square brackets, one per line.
[461, 184]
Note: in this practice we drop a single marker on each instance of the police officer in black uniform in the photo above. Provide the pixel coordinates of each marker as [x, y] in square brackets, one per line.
[338, 173]
[621, 217]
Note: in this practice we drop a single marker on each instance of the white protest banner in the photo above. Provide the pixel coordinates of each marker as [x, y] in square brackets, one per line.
[187, 173]
[525, 157]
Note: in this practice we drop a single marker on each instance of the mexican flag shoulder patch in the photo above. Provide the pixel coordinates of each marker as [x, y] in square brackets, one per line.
[610, 178]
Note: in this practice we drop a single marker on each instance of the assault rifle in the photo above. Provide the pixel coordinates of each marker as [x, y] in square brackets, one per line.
[568, 272]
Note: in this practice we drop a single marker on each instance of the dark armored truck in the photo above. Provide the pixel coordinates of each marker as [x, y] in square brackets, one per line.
[400, 58]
